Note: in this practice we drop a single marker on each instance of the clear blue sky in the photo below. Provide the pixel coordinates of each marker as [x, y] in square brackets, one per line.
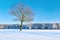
[45, 10]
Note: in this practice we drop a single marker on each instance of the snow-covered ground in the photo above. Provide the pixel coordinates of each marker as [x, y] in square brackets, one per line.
[15, 34]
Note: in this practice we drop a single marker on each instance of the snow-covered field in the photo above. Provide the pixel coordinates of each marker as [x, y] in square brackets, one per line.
[15, 34]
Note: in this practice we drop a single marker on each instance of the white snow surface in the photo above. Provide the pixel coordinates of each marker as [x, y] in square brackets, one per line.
[26, 34]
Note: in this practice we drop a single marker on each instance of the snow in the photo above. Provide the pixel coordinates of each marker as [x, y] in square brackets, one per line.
[15, 34]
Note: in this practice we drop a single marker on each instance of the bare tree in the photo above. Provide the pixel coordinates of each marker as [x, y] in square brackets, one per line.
[22, 14]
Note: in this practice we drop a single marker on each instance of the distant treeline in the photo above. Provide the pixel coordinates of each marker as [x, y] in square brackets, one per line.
[32, 26]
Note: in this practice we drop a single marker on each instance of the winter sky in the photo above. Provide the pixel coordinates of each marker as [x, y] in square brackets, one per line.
[44, 10]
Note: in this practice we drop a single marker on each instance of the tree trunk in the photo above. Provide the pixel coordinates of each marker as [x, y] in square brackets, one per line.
[21, 25]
